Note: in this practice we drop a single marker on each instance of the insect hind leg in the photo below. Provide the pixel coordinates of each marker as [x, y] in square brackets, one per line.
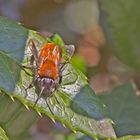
[49, 107]
[40, 94]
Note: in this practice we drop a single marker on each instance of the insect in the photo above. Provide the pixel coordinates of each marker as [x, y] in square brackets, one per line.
[47, 66]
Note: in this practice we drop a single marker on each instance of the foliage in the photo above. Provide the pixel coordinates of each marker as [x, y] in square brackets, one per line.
[123, 105]
[120, 20]
[2, 135]
[74, 103]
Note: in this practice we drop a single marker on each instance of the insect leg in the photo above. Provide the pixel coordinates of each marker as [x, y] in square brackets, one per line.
[62, 65]
[34, 51]
[23, 67]
[39, 96]
[49, 108]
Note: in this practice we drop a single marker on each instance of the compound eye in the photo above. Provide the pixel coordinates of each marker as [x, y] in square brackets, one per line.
[70, 50]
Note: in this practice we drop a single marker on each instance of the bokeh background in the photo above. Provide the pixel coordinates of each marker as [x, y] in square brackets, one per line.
[78, 23]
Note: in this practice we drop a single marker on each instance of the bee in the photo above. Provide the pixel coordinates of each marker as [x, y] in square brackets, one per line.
[47, 66]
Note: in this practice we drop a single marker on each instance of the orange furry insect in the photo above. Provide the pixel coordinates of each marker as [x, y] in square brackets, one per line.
[47, 66]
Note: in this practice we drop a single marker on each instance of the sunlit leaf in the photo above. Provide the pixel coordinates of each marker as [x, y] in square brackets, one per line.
[3, 135]
[74, 104]
[129, 138]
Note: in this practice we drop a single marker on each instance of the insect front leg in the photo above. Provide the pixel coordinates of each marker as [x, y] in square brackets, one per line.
[33, 58]
[34, 52]
[62, 65]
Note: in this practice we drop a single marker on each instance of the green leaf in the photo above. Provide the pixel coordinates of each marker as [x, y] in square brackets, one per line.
[124, 109]
[15, 119]
[12, 41]
[57, 40]
[78, 63]
[76, 105]
[129, 138]
[121, 20]
[3, 135]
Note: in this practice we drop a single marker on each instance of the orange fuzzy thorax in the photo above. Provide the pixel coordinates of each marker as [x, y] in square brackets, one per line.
[50, 57]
